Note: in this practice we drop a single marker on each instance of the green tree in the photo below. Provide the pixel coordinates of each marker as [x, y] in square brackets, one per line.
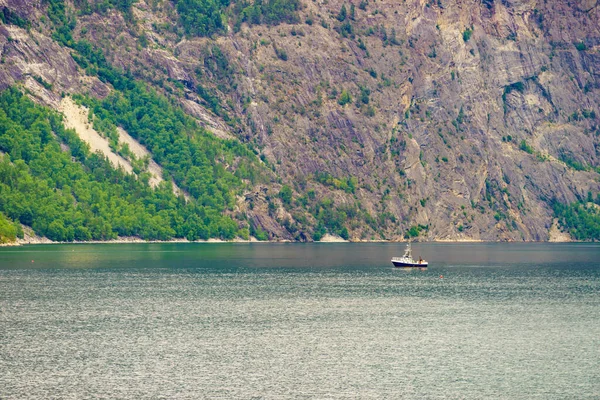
[344, 98]
[467, 34]
[202, 17]
[342, 14]
[8, 230]
[285, 194]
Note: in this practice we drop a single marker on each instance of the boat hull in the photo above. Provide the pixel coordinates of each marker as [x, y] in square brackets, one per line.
[399, 264]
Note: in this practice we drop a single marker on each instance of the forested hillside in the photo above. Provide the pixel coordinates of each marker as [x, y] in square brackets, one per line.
[71, 194]
[294, 119]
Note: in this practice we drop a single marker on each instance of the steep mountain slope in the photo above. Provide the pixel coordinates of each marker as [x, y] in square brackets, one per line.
[379, 119]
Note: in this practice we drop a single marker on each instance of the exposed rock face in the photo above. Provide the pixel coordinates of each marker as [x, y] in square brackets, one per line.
[466, 116]
[29, 55]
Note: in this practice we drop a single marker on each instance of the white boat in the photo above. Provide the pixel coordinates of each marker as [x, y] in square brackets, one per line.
[407, 260]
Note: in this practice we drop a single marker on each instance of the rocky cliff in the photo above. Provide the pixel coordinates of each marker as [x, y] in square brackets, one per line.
[440, 119]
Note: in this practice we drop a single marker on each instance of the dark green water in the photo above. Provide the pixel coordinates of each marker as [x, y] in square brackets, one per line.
[280, 321]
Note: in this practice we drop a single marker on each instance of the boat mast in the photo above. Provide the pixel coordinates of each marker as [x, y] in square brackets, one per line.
[408, 251]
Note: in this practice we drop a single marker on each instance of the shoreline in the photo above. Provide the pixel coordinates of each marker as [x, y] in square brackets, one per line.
[45, 241]
[30, 238]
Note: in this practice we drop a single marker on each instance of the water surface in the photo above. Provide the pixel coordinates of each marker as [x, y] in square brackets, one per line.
[279, 321]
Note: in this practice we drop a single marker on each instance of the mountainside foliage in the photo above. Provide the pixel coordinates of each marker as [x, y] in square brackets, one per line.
[9, 231]
[195, 159]
[73, 194]
[209, 17]
[202, 17]
[580, 219]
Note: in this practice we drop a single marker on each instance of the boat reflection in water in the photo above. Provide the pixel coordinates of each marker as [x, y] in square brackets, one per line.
[407, 261]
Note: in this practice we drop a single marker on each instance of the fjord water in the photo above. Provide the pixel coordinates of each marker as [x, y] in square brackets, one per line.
[285, 321]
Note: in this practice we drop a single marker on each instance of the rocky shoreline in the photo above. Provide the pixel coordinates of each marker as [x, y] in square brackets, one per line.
[129, 240]
[30, 238]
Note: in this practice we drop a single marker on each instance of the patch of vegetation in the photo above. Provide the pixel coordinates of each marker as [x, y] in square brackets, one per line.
[9, 231]
[42, 82]
[217, 69]
[580, 46]
[348, 185]
[344, 98]
[362, 45]
[212, 101]
[364, 94]
[467, 34]
[581, 114]
[9, 17]
[567, 159]
[346, 30]
[202, 17]
[458, 122]
[393, 40]
[518, 86]
[269, 12]
[332, 219]
[280, 53]
[580, 219]
[488, 3]
[342, 14]
[538, 17]
[329, 217]
[369, 111]
[217, 66]
[63, 22]
[285, 194]
[258, 233]
[397, 146]
[591, 114]
[124, 6]
[526, 147]
[432, 53]
[415, 230]
[495, 196]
